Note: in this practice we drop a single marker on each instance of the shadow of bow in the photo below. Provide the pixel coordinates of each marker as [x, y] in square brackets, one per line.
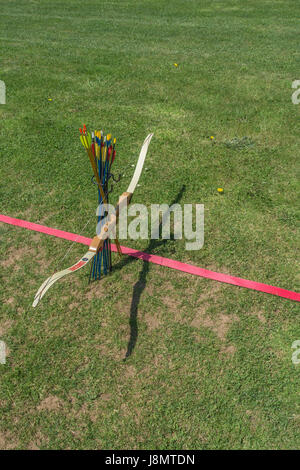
[140, 285]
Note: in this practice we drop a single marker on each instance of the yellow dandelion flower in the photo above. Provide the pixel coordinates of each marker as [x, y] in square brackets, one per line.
[220, 190]
[175, 65]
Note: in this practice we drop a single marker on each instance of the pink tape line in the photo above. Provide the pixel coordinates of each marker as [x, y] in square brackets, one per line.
[170, 263]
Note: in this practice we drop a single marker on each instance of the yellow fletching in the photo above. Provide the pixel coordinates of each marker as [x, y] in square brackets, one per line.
[89, 139]
[85, 142]
[82, 141]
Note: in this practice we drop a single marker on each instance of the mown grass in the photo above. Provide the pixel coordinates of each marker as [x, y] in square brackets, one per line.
[150, 358]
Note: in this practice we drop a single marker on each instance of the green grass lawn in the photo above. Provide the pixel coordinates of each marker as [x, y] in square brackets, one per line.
[150, 358]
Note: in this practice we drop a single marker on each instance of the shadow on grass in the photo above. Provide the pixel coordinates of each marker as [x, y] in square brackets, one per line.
[140, 285]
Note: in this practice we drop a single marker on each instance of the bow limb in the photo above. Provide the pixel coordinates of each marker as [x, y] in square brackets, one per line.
[55, 277]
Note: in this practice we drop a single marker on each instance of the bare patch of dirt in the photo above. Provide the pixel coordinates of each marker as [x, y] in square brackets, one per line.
[124, 409]
[51, 403]
[5, 326]
[76, 434]
[15, 256]
[33, 446]
[105, 397]
[74, 305]
[129, 372]
[253, 418]
[153, 321]
[173, 305]
[123, 306]
[149, 290]
[37, 442]
[296, 417]
[199, 339]
[228, 350]
[220, 324]
[95, 290]
[200, 317]
[110, 350]
[158, 360]
[20, 310]
[129, 278]
[88, 411]
[260, 316]
[211, 292]
[2, 403]
[7, 442]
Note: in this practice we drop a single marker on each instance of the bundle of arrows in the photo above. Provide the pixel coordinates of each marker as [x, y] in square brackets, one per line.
[101, 151]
